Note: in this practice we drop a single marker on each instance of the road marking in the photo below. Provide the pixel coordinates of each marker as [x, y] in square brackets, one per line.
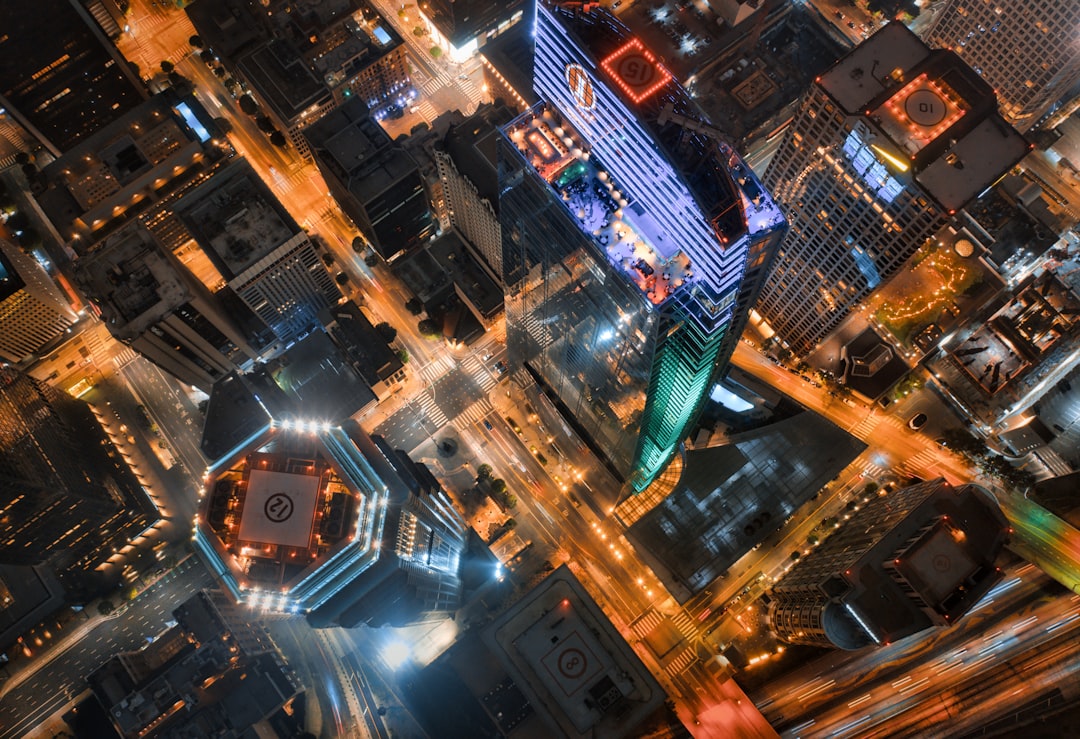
[858, 701]
[815, 691]
[914, 686]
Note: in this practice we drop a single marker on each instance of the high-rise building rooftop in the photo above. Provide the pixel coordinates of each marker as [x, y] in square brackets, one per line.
[630, 259]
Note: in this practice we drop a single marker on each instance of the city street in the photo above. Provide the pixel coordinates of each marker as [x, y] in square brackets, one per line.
[1022, 634]
[1022, 639]
[61, 674]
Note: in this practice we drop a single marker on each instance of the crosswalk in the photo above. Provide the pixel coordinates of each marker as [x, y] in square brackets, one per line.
[862, 429]
[684, 659]
[920, 465]
[474, 413]
[434, 370]
[431, 409]
[123, 357]
[685, 625]
[480, 375]
[645, 625]
[432, 86]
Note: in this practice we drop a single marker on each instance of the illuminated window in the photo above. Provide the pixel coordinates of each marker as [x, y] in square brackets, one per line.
[635, 69]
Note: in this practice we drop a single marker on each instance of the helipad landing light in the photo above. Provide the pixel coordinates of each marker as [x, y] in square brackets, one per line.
[635, 70]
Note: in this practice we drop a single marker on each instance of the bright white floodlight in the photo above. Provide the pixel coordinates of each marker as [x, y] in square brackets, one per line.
[396, 653]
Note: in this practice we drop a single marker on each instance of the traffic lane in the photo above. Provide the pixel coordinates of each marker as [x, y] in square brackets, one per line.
[126, 632]
[1017, 612]
[170, 409]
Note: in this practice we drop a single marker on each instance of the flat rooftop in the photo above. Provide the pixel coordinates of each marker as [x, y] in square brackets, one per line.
[283, 79]
[236, 219]
[131, 281]
[938, 117]
[731, 497]
[572, 663]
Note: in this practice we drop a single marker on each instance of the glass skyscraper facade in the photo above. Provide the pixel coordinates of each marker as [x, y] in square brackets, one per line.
[632, 249]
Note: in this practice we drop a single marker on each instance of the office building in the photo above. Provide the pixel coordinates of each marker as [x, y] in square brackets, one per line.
[132, 169]
[255, 248]
[630, 260]
[918, 557]
[60, 76]
[467, 162]
[892, 140]
[150, 302]
[66, 494]
[376, 182]
[551, 665]
[33, 311]
[1027, 50]
[461, 27]
[209, 674]
[301, 58]
[308, 517]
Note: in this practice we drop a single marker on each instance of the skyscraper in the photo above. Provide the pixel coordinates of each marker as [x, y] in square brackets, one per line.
[258, 250]
[463, 26]
[632, 249]
[468, 169]
[60, 76]
[919, 557]
[1027, 50]
[66, 493]
[310, 517]
[151, 303]
[33, 311]
[888, 143]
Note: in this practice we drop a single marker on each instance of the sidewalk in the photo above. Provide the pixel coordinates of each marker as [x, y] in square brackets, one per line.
[55, 650]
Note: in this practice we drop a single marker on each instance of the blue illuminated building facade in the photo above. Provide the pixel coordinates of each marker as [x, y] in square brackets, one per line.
[632, 249]
[308, 517]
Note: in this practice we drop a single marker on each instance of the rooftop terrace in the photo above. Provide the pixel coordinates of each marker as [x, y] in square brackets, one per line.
[627, 234]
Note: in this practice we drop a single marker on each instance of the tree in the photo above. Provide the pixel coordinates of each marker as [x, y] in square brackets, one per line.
[328, 260]
[342, 279]
[436, 51]
[498, 486]
[510, 500]
[196, 41]
[358, 245]
[483, 472]
[419, 31]
[795, 555]
[247, 104]
[223, 124]
[371, 260]
[386, 331]
[206, 55]
[219, 72]
[105, 607]
[403, 356]
[870, 488]
[427, 327]
[168, 67]
[414, 306]
[265, 124]
[812, 540]
[277, 138]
